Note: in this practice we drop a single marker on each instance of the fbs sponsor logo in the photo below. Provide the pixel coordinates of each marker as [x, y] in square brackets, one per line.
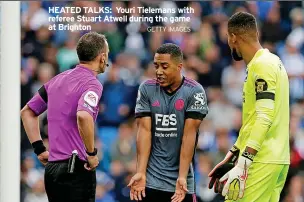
[165, 134]
[165, 119]
[165, 125]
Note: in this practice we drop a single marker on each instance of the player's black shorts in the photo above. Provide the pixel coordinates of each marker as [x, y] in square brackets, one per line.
[153, 195]
[62, 186]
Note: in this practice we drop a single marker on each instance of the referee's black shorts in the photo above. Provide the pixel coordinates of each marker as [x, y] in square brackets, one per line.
[62, 186]
[153, 195]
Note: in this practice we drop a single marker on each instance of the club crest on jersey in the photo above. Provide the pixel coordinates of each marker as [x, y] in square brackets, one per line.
[91, 98]
[200, 101]
[179, 104]
[260, 85]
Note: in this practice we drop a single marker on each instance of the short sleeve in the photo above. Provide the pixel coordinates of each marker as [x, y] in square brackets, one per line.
[38, 104]
[197, 107]
[142, 107]
[89, 100]
[264, 79]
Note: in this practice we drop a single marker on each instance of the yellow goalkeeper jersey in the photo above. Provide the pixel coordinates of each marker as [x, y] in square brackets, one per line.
[265, 121]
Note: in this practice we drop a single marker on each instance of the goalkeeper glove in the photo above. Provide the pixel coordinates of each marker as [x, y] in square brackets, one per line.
[222, 168]
[235, 179]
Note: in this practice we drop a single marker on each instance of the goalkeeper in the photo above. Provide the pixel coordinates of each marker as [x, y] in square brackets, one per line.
[255, 169]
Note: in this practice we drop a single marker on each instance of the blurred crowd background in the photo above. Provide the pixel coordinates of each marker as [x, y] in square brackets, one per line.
[207, 59]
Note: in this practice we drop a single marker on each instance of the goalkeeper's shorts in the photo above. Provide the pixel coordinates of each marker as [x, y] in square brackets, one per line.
[264, 183]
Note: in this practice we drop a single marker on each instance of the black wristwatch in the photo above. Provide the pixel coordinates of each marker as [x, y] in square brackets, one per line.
[94, 153]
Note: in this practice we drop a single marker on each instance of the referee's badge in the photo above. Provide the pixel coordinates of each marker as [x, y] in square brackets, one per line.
[91, 98]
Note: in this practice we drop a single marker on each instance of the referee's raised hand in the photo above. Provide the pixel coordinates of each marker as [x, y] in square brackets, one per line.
[137, 185]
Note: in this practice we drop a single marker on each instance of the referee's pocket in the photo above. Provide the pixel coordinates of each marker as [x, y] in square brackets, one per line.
[58, 171]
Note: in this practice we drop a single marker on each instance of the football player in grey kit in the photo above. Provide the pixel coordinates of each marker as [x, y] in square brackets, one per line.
[169, 111]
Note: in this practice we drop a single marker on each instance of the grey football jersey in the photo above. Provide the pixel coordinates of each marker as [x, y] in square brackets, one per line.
[168, 112]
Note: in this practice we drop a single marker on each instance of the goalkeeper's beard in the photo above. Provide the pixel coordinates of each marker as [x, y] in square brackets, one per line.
[235, 55]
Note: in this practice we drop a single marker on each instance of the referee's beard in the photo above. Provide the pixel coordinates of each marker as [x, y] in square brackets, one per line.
[102, 68]
[235, 55]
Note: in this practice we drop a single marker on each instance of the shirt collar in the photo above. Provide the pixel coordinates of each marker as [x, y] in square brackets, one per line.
[85, 69]
[257, 55]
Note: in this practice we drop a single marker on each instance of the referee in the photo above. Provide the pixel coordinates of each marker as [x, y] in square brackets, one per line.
[71, 99]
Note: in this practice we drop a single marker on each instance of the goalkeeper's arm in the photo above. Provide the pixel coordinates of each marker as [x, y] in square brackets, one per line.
[264, 119]
[239, 174]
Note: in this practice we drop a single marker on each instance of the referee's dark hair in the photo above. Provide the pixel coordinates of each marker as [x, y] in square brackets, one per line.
[243, 23]
[90, 45]
[172, 49]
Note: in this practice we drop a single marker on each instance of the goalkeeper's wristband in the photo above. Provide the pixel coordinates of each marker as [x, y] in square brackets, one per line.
[38, 147]
[245, 160]
[248, 155]
[222, 168]
[235, 151]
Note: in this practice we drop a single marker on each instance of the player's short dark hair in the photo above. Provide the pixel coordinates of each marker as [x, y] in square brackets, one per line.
[242, 23]
[90, 45]
[172, 49]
